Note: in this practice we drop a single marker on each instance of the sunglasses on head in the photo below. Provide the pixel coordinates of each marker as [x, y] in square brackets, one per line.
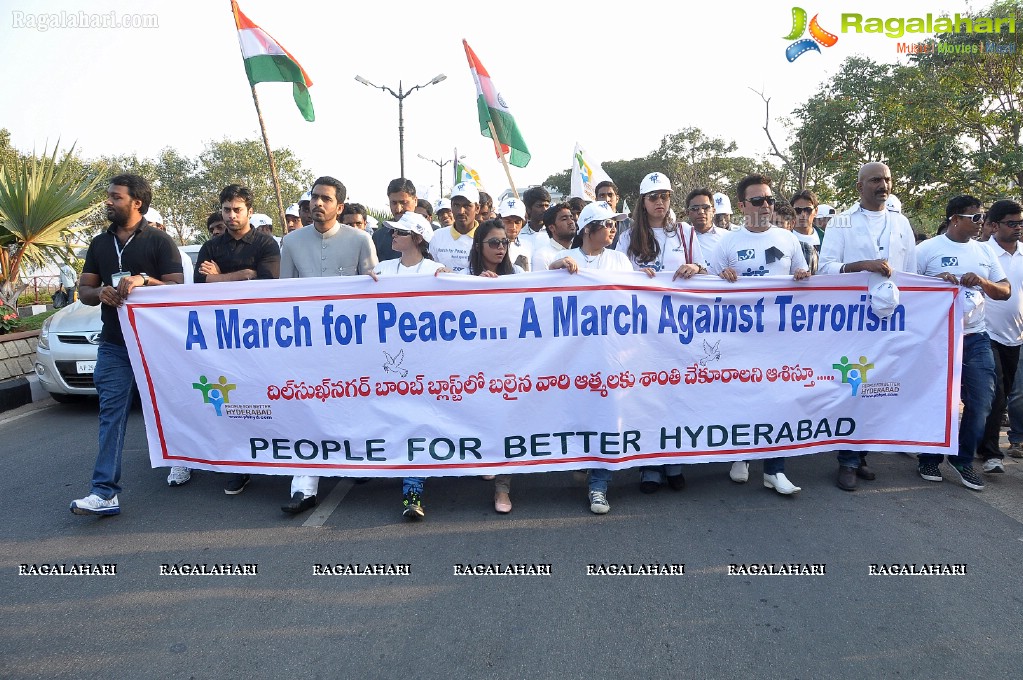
[497, 242]
[758, 201]
[803, 211]
[976, 218]
[401, 232]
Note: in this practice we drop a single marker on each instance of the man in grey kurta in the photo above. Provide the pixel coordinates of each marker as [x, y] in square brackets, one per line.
[324, 248]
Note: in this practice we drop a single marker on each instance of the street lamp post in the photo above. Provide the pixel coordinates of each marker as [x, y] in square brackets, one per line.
[440, 165]
[400, 96]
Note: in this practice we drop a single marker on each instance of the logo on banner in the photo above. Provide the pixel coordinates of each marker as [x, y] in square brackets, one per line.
[950, 262]
[216, 394]
[855, 375]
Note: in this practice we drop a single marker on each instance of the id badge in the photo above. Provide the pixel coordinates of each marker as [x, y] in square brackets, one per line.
[116, 278]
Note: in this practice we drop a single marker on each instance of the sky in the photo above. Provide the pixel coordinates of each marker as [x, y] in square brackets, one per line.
[614, 77]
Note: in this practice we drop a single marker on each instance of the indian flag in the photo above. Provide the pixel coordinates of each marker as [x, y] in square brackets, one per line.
[493, 110]
[266, 61]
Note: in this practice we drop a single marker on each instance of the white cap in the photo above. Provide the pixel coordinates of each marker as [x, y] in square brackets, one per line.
[414, 222]
[722, 206]
[442, 204]
[825, 210]
[260, 220]
[292, 210]
[655, 181]
[467, 190]
[372, 223]
[893, 203]
[307, 196]
[512, 207]
[598, 211]
[153, 217]
[884, 298]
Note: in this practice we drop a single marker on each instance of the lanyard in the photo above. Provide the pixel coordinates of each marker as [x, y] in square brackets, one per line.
[120, 250]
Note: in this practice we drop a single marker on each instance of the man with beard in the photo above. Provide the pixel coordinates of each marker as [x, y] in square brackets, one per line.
[329, 248]
[129, 254]
[560, 225]
[868, 238]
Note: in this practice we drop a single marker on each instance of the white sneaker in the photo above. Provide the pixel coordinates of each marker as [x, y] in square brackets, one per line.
[993, 465]
[598, 503]
[178, 476]
[739, 472]
[94, 505]
[780, 483]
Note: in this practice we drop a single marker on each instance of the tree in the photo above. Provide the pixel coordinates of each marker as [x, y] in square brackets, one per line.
[39, 199]
[178, 195]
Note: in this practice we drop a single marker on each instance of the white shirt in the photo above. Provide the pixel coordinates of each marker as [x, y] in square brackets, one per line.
[451, 248]
[537, 239]
[542, 257]
[521, 252]
[942, 254]
[848, 239]
[396, 268]
[1005, 317]
[676, 248]
[608, 260]
[775, 252]
[709, 243]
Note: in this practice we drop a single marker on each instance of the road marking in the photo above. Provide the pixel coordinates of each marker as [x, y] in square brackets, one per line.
[329, 504]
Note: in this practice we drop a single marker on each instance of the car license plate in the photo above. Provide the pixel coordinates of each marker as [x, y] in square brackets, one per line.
[86, 367]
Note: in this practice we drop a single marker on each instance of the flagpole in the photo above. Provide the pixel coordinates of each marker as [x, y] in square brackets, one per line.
[273, 165]
[504, 161]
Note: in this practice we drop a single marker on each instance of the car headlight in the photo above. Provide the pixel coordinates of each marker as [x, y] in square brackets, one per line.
[44, 334]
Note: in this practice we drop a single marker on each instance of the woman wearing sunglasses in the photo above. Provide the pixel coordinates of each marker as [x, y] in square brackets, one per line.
[410, 236]
[490, 258]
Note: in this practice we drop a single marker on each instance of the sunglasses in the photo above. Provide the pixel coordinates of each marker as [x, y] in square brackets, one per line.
[803, 211]
[1011, 224]
[605, 224]
[700, 208]
[497, 242]
[659, 196]
[758, 201]
[401, 232]
[976, 218]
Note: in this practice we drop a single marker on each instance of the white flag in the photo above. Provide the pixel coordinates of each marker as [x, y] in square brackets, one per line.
[586, 175]
[466, 173]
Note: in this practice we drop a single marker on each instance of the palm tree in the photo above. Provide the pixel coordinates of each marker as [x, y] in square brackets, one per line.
[40, 198]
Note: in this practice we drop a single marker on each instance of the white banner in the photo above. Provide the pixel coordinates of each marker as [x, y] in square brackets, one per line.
[586, 175]
[459, 375]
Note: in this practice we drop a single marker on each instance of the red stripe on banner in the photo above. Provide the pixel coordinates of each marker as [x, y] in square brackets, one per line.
[149, 383]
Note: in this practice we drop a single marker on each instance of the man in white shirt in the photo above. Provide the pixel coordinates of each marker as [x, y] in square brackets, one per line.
[867, 238]
[1005, 326]
[700, 208]
[451, 246]
[758, 249]
[537, 200]
[560, 225]
[328, 248]
[958, 259]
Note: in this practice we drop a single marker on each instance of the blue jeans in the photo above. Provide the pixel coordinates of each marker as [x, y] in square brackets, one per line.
[773, 466]
[412, 484]
[978, 392]
[599, 479]
[114, 383]
[657, 473]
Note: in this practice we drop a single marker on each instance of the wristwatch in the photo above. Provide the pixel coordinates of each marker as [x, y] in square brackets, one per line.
[145, 278]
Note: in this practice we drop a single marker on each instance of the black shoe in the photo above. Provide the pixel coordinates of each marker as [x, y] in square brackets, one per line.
[412, 506]
[864, 472]
[847, 478]
[236, 484]
[299, 503]
[677, 482]
[649, 487]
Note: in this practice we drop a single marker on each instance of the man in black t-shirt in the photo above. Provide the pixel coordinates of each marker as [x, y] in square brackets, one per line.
[129, 254]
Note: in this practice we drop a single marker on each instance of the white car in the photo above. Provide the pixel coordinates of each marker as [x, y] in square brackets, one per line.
[68, 342]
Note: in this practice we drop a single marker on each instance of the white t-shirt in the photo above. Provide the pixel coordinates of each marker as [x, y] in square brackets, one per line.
[451, 248]
[396, 268]
[942, 254]
[677, 247]
[521, 253]
[775, 252]
[608, 260]
[542, 257]
[517, 268]
[709, 242]
[1005, 317]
